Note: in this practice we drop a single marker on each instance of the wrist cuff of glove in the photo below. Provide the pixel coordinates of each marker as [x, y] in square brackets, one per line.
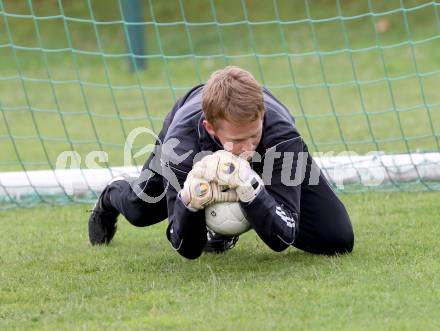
[247, 193]
[185, 203]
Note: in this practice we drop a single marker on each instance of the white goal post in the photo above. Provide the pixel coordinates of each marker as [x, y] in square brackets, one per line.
[370, 171]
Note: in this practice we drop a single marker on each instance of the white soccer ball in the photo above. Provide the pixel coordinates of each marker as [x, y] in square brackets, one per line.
[226, 218]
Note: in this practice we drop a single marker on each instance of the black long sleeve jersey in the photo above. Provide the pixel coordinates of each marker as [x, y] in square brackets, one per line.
[274, 213]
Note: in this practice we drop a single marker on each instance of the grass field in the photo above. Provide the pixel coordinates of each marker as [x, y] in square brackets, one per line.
[65, 85]
[50, 278]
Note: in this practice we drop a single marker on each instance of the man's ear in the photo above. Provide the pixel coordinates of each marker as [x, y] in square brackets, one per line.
[209, 127]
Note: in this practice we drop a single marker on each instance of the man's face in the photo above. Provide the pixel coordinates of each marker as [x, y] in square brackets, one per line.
[239, 139]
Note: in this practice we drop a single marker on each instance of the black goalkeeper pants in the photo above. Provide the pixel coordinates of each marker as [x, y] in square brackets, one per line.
[324, 226]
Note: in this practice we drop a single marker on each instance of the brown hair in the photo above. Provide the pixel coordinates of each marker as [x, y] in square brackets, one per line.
[232, 94]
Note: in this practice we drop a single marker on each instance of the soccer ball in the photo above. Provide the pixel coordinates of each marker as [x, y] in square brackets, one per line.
[226, 218]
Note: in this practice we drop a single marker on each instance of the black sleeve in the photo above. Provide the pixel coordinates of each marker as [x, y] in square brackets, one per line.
[274, 213]
[186, 229]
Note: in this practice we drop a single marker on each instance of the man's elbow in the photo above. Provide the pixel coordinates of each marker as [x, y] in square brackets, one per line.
[277, 245]
[190, 255]
[191, 252]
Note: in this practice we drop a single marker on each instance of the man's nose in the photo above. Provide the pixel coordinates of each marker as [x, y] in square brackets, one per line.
[247, 146]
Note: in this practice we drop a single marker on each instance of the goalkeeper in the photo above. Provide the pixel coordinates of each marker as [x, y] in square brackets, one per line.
[230, 133]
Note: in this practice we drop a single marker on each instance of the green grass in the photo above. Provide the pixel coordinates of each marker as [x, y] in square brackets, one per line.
[50, 278]
[49, 111]
[52, 101]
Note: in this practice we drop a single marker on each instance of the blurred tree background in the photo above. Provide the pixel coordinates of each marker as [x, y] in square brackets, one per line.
[357, 75]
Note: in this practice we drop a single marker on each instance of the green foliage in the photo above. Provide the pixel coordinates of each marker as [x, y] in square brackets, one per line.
[65, 83]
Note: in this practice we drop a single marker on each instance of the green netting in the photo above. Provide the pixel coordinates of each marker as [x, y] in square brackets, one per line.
[358, 76]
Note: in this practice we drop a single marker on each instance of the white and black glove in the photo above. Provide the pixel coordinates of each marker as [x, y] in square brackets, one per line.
[197, 193]
[232, 171]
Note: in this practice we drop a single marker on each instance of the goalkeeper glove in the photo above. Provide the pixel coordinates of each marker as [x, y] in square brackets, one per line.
[197, 193]
[227, 169]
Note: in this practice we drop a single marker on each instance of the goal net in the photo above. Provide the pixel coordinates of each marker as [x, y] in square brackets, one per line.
[77, 77]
